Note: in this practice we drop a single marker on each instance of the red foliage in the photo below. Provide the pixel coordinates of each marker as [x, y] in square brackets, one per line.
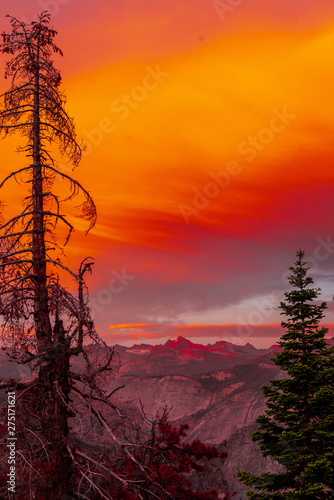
[167, 464]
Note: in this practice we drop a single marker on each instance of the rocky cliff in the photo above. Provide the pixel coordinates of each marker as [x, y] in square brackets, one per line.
[220, 408]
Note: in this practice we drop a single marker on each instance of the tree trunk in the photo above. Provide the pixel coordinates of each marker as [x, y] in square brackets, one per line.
[54, 367]
[54, 380]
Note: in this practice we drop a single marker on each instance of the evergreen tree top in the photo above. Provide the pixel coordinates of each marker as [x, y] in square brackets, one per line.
[297, 429]
[303, 314]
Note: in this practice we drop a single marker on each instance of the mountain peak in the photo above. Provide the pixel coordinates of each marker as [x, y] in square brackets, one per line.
[180, 342]
[183, 339]
[223, 344]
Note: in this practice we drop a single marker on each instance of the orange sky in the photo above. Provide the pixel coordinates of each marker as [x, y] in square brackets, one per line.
[209, 155]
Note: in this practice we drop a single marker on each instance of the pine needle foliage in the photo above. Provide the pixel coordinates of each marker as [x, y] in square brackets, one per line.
[297, 430]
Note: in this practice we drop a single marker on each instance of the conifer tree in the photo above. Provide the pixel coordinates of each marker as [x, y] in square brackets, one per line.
[297, 430]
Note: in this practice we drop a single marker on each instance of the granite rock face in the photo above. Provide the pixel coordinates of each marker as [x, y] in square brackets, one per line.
[244, 455]
[214, 404]
[182, 395]
[219, 406]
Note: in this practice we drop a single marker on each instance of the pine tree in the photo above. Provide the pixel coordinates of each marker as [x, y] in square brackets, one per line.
[297, 430]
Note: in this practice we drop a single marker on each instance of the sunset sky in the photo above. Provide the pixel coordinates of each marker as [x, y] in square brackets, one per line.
[209, 130]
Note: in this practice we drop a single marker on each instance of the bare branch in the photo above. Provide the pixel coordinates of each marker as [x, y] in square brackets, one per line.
[24, 169]
[94, 486]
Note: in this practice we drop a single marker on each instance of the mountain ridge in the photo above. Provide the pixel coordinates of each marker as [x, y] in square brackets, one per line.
[184, 357]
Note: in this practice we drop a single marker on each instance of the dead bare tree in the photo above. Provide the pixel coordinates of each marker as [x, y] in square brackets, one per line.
[43, 324]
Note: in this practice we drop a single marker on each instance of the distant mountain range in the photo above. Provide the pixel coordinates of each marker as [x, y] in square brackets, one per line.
[181, 356]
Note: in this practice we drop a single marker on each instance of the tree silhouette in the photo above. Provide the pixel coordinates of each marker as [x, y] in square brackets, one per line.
[297, 430]
[43, 324]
